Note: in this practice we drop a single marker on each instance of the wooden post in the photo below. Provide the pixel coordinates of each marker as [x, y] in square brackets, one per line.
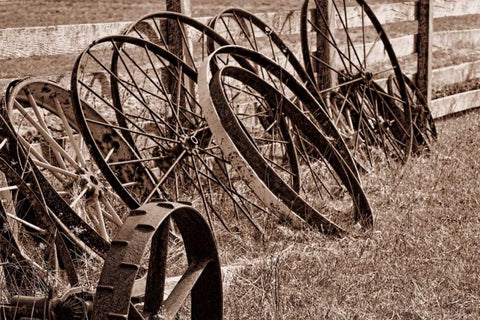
[324, 51]
[175, 40]
[424, 48]
[182, 6]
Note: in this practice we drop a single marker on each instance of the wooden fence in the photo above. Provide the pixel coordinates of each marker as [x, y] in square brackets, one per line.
[29, 42]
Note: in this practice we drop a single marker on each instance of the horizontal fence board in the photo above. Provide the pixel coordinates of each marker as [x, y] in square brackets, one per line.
[449, 8]
[455, 103]
[442, 76]
[456, 39]
[456, 74]
[33, 41]
[37, 41]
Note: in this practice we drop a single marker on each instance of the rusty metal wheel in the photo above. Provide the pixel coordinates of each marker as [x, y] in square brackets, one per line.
[347, 52]
[133, 285]
[154, 142]
[42, 117]
[39, 258]
[424, 129]
[330, 196]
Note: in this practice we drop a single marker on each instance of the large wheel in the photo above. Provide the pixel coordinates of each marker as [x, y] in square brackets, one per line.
[350, 52]
[259, 154]
[133, 284]
[169, 152]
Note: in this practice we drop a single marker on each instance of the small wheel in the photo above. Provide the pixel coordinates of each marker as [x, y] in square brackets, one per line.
[356, 55]
[41, 114]
[36, 257]
[132, 284]
[167, 150]
[259, 154]
[424, 129]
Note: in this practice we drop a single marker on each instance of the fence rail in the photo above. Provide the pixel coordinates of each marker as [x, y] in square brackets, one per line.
[72, 39]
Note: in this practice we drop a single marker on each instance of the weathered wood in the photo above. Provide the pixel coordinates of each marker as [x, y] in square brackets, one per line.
[424, 48]
[456, 39]
[449, 8]
[66, 39]
[182, 6]
[37, 41]
[455, 74]
[324, 19]
[455, 103]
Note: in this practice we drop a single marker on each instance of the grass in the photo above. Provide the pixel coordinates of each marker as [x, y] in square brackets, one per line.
[419, 262]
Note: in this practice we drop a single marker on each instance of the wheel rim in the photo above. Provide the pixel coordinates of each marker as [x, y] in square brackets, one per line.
[242, 146]
[37, 258]
[170, 150]
[424, 129]
[119, 283]
[42, 117]
[362, 55]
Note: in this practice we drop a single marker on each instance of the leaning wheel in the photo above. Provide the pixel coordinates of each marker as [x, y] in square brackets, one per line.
[37, 259]
[168, 149]
[41, 114]
[133, 285]
[260, 153]
[424, 129]
[348, 62]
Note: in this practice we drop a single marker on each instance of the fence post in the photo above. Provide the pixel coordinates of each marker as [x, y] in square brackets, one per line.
[324, 52]
[424, 48]
[182, 6]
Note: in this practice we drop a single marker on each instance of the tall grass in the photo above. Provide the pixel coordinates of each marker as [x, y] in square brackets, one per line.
[419, 262]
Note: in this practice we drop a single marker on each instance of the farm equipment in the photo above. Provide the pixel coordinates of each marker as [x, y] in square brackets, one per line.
[100, 183]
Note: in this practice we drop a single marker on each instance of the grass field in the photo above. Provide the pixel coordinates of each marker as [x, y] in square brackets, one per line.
[419, 262]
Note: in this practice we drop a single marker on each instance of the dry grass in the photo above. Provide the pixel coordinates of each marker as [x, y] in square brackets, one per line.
[419, 262]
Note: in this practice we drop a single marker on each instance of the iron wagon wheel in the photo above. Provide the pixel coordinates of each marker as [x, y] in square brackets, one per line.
[328, 183]
[169, 151]
[424, 129]
[356, 56]
[183, 36]
[42, 117]
[123, 293]
[36, 260]
[286, 83]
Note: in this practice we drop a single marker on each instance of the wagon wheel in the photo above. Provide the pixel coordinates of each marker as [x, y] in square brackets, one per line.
[41, 115]
[424, 129]
[356, 56]
[286, 83]
[185, 37]
[169, 152]
[120, 294]
[35, 257]
[330, 196]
